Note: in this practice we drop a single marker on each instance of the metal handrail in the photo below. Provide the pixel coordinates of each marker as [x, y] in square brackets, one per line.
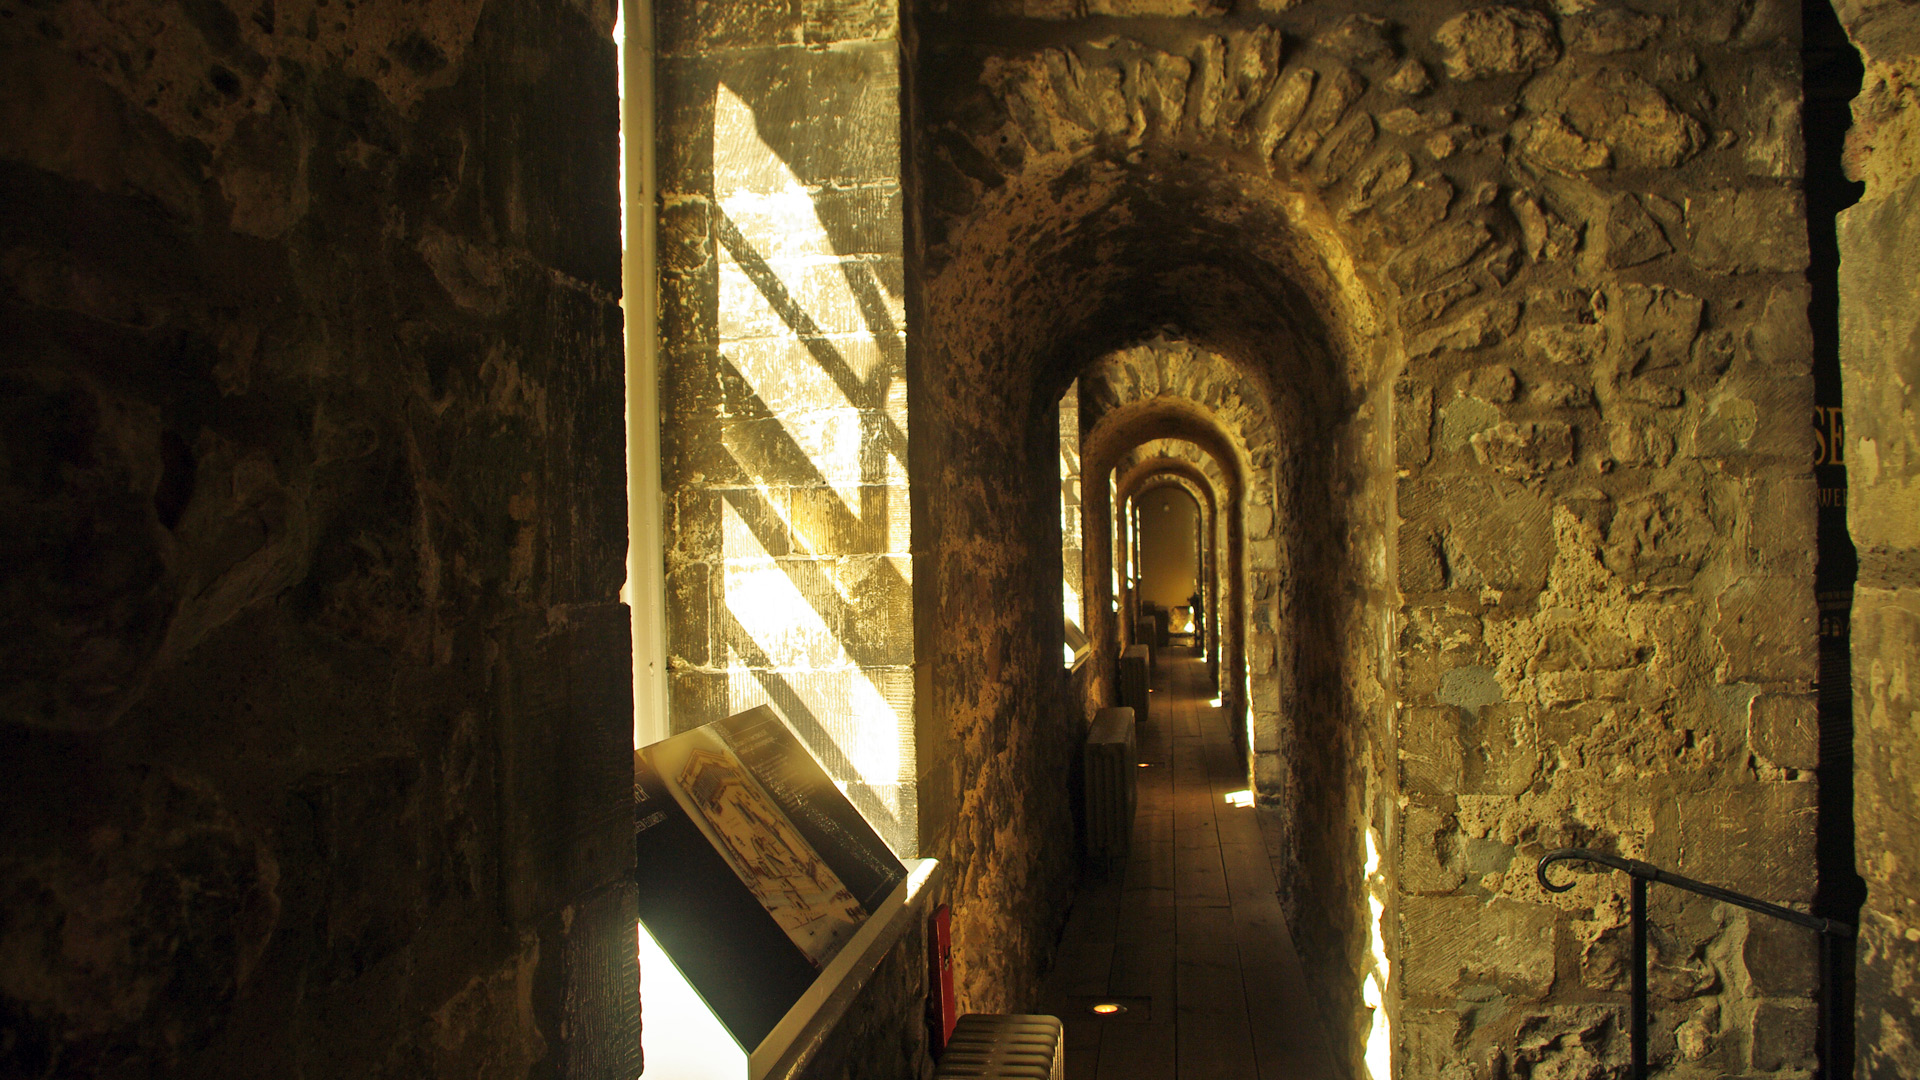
[1642, 873]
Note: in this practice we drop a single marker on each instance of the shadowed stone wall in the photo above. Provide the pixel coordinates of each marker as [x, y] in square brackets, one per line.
[1880, 363]
[313, 751]
[1532, 277]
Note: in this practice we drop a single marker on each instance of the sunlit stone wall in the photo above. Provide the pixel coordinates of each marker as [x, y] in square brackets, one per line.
[784, 419]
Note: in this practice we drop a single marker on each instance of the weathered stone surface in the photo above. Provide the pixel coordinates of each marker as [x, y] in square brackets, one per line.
[1610, 30]
[1547, 235]
[1429, 859]
[1784, 730]
[1634, 119]
[1410, 79]
[1496, 384]
[1282, 108]
[1780, 958]
[1431, 759]
[1880, 313]
[1660, 538]
[1336, 92]
[1525, 449]
[1654, 325]
[1632, 236]
[1414, 210]
[1497, 40]
[1747, 230]
[1765, 631]
[1359, 38]
[1551, 141]
[1446, 249]
[1571, 344]
[1452, 943]
[1782, 1036]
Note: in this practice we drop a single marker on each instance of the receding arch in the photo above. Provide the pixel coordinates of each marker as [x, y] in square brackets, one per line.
[1029, 291]
[1160, 467]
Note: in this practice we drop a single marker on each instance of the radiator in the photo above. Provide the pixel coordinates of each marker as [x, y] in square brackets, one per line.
[1111, 755]
[1004, 1047]
[1134, 680]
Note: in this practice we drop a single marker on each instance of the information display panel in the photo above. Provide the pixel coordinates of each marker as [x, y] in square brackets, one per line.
[754, 870]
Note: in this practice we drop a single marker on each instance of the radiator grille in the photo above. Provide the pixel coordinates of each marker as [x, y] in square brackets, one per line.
[1004, 1047]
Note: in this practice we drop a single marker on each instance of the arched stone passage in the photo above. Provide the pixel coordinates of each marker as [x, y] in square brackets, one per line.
[996, 357]
[1112, 443]
[1144, 470]
[1174, 494]
[1514, 330]
[1164, 386]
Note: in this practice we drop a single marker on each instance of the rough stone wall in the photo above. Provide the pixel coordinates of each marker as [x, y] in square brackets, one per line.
[1531, 277]
[784, 425]
[317, 688]
[1880, 363]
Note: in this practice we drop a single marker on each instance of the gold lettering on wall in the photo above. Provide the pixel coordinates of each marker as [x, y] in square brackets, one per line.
[1829, 435]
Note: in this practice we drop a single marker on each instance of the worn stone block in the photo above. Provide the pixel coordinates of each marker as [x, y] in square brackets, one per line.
[1780, 958]
[1446, 249]
[1525, 449]
[1453, 943]
[1880, 320]
[1432, 758]
[1739, 423]
[1496, 40]
[1782, 337]
[832, 21]
[1429, 851]
[1785, 730]
[1782, 1037]
[1766, 630]
[1748, 230]
[1886, 643]
[1755, 838]
[1429, 1041]
[1780, 525]
[695, 28]
[1889, 1014]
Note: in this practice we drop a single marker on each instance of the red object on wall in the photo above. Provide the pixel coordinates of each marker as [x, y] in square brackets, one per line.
[940, 1007]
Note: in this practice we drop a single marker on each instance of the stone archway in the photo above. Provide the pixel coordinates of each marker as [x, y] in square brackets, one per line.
[1156, 463]
[1515, 316]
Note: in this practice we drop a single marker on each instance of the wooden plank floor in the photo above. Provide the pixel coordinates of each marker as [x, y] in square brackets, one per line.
[1189, 934]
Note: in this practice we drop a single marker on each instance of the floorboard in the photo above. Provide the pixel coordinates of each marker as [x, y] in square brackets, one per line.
[1189, 930]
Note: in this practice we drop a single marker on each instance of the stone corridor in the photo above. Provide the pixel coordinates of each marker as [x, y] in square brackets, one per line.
[1188, 936]
[410, 410]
